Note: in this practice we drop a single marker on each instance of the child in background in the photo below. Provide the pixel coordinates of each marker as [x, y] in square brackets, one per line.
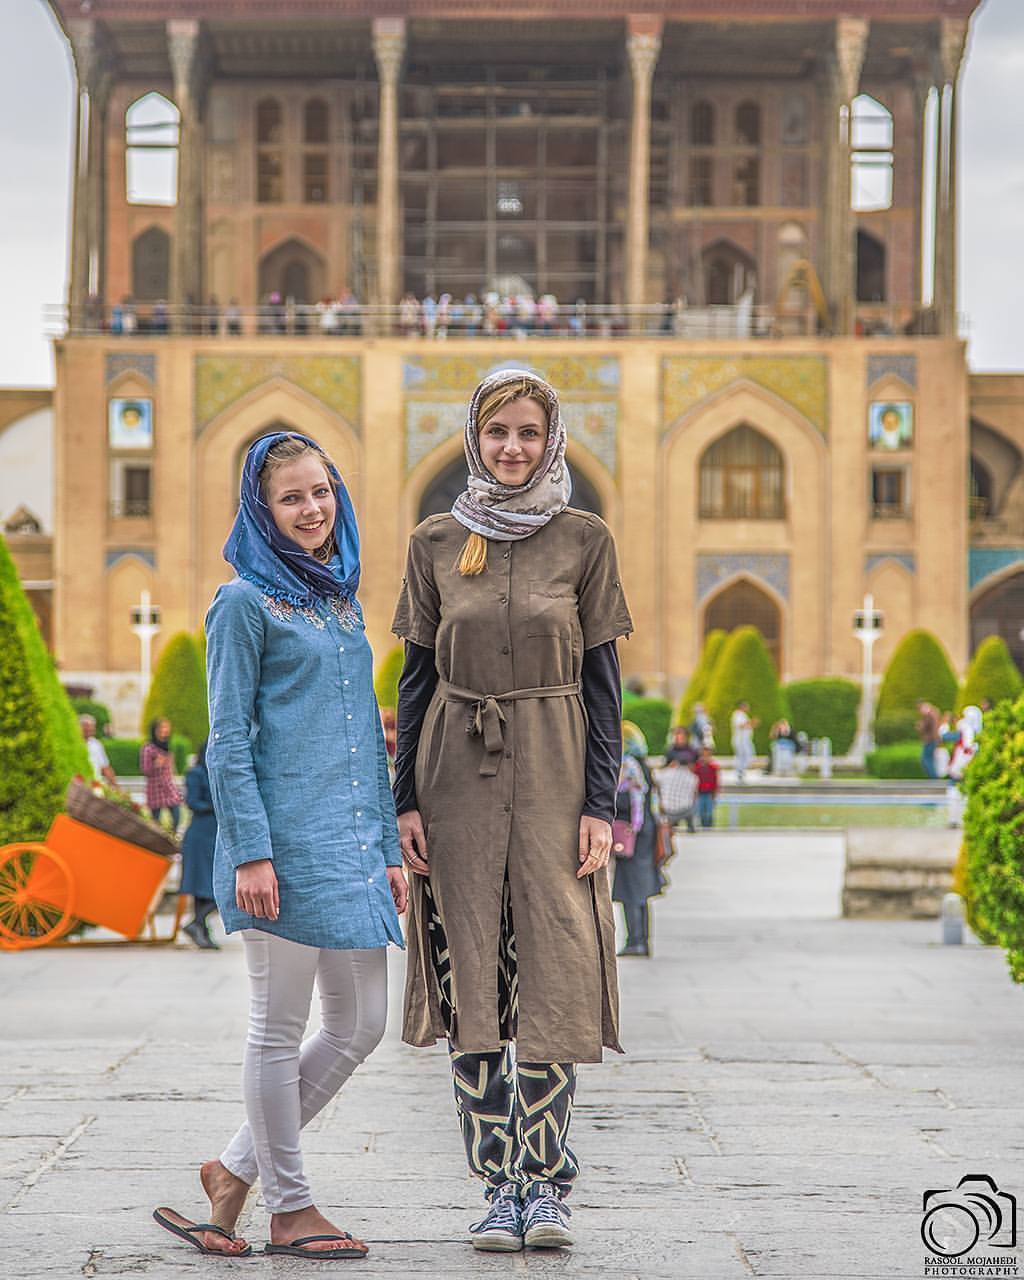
[707, 787]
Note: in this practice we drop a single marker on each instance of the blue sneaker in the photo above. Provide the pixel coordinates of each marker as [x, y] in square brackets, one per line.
[501, 1231]
[546, 1218]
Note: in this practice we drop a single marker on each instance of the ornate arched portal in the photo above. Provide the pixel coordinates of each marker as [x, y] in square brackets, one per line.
[744, 604]
[999, 611]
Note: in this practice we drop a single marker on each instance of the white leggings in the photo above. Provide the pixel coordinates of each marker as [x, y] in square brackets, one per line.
[287, 1082]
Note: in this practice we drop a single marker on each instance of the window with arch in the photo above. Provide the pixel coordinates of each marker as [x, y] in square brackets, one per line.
[743, 604]
[152, 129]
[702, 124]
[315, 136]
[269, 152]
[742, 477]
[871, 162]
[748, 124]
[151, 265]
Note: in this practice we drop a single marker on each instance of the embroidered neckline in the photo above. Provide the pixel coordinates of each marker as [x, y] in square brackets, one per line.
[346, 612]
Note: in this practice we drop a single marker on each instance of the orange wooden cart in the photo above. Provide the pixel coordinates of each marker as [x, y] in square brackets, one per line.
[80, 874]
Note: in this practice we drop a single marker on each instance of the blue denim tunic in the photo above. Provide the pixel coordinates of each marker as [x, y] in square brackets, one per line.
[298, 768]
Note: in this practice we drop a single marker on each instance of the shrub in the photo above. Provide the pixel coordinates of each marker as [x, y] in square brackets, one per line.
[652, 716]
[825, 708]
[697, 689]
[901, 760]
[992, 674]
[386, 684]
[994, 834]
[123, 754]
[899, 726]
[744, 672]
[99, 711]
[178, 690]
[918, 671]
[41, 747]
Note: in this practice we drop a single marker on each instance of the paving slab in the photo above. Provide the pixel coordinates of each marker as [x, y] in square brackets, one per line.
[793, 1084]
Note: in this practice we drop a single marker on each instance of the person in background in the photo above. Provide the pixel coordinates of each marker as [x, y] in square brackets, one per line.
[784, 748]
[677, 792]
[742, 739]
[680, 749]
[197, 847]
[706, 770]
[968, 730]
[928, 732]
[702, 730]
[637, 878]
[98, 757]
[157, 766]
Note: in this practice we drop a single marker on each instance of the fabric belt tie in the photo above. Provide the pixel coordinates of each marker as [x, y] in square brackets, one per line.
[487, 720]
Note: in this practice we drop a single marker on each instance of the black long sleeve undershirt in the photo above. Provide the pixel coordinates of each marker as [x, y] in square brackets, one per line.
[602, 697]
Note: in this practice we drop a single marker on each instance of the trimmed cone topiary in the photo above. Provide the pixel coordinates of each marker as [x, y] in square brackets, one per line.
[388, 674]
[825, 708]
[41, 747]
[994, 834]
[918, 671]
[178, 691]
[992, 675]
[697, 689]
[744, 673]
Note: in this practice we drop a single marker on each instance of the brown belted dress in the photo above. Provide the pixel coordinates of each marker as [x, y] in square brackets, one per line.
[500, 787]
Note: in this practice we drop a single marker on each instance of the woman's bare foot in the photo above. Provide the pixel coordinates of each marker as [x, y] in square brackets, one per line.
[286, 1227]
[227, 1199]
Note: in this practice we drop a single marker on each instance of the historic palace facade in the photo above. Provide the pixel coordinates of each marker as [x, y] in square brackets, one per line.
[745, 210]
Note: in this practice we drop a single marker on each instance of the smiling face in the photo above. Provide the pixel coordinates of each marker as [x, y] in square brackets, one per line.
[301, 500]
[512, 441]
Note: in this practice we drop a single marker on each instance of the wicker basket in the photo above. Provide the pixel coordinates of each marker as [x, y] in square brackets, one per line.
[84, 805]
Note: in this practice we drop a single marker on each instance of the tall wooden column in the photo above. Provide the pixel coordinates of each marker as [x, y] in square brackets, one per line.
[643, 44]
[922, 88]
[190, 66]
[952, 38]
[839, 242]
[389, 50]
[93, 69]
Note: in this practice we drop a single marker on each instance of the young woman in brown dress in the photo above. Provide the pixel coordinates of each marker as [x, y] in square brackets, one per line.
[508, 755]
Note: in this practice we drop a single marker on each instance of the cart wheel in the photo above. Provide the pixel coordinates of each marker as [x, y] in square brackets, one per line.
[36, 896]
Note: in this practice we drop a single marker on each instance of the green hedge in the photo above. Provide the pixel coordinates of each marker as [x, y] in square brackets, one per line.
[902, 760]
[388, 674]
[825, 708]
[744, 672]
[178, 690]
[918, 671]
[697, 689]
[899, 726]
[652, 716]
[99, 711]
[41, 746]
[994, 834]
[123, 754]
[992, 675]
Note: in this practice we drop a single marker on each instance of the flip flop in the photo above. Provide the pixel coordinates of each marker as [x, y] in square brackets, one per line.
[181, 1227]
[295, 1249]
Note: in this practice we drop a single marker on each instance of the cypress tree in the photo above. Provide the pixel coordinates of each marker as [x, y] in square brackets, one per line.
[918, 671]
[178, 691]
[744, 673]
[386, 684]
[700, 681]
[992, 675]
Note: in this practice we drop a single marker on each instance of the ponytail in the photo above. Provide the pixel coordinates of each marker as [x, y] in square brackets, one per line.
[473, 559]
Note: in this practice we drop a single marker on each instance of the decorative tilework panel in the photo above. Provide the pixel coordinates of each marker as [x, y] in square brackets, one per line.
[982, 562]
[905, 558]
[333, 380]
[140, 362]
[462, 373]
[146, 554]
[714, 569]
[801, 381]
[903, 367]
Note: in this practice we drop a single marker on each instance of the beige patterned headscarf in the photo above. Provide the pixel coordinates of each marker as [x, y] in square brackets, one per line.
[509, 512]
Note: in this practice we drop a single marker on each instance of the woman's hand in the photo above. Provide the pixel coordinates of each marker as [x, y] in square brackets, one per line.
[413, 841]
[256, 889]
[399, 887]
[595, 845]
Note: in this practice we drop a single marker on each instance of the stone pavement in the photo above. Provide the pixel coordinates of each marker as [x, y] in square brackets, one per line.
[794, 1083]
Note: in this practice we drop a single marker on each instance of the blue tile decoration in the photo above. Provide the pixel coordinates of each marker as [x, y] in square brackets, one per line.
[714, 569]
[983, 562]
[146, 554]
[903, 367]
[905, 558]
[141, 362]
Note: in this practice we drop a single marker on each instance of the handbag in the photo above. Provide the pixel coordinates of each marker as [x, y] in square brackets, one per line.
[623, 838]
[664, 849]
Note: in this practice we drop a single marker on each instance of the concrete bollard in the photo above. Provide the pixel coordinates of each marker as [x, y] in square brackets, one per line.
[952, 920]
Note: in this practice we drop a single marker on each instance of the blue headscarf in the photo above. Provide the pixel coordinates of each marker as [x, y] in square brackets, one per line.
[261, 554]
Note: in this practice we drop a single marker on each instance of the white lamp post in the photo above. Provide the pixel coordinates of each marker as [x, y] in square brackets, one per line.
[145, 624]
[867, 627]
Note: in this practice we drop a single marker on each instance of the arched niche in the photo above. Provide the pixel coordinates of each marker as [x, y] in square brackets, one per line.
[152, 126]
[293, 270]
[277, 404]
[997, 457]
[125, 580]
[728, 273]
[746, 602]
[997, 609]
[872, 270]
[892, 585]
[151, 265]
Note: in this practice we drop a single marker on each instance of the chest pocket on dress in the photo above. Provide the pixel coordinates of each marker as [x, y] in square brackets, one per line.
[552, 608]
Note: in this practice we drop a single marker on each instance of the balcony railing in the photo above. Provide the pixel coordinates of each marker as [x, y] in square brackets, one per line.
[572, 320]
[130, 508]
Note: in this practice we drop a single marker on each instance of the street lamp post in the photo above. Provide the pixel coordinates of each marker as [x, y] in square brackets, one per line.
[145, 623]
[867, 627]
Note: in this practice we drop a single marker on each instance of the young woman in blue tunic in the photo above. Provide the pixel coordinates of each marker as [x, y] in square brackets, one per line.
[307, 864]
